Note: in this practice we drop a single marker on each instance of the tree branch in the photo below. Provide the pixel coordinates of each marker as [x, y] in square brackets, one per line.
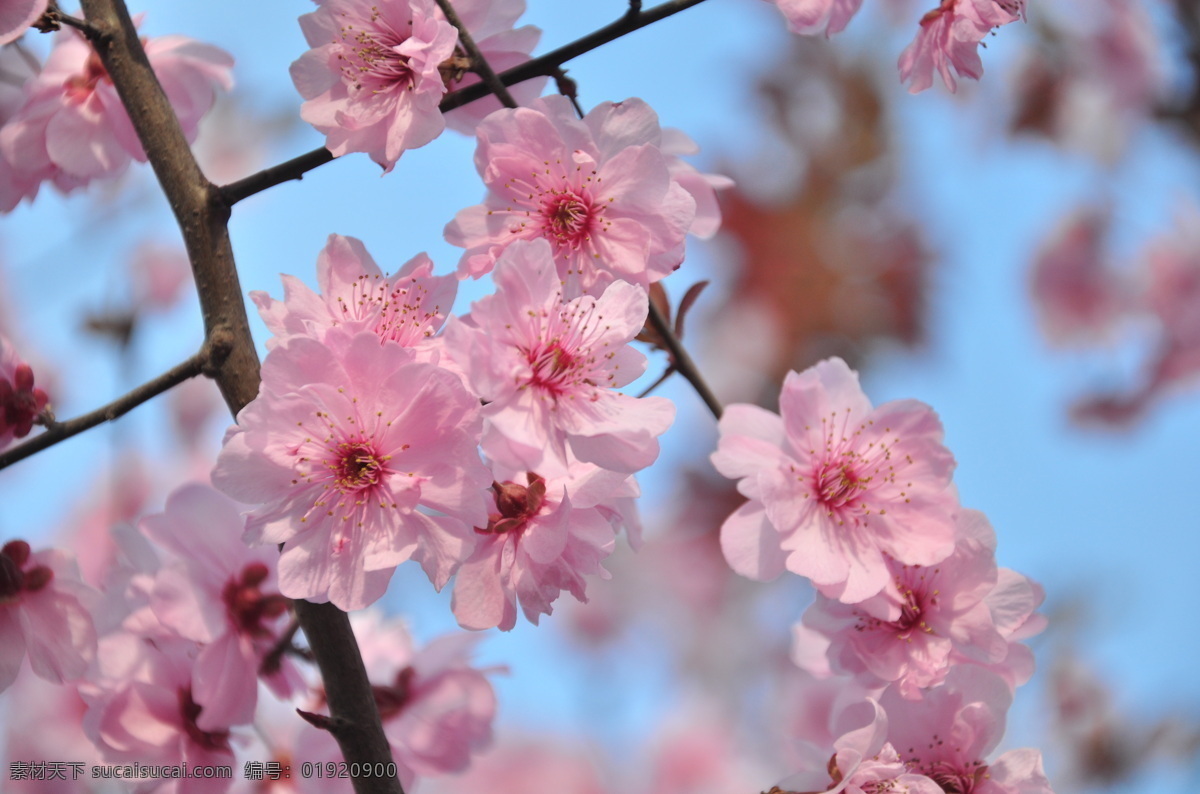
[683, 362]
[209, 358]
[546, 65]
[202, 212]
[479, 64]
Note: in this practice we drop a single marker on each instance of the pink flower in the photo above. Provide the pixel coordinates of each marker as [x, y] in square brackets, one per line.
[437, 709]
[223, 594]
[408, 307]
[548, 368]
[837, 488]
[600, 190]
[818, 16]
[1077, 295]
[141, 709]
[490, 23]
[372, 80]
[909, 632]
[45, 612]
[543, 537]
[949, 734]
[863, 761]
[950, 36]
[346, 440]
[16, 16]
[20, 401]
[73, 128]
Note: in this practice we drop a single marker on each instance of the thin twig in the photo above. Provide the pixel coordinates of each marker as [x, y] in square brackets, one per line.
[683, 362]
[545, 65]
[211, 354]
[479, 64]
[295, 168]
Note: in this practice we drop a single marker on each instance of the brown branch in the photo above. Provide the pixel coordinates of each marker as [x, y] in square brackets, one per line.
[479, 64]
[209, 358]
[545, 65]
[202, 212]
[682, 361]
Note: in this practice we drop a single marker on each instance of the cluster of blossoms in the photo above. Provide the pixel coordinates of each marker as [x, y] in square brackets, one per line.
[947, 43]
[67, 126]
[911, 607]
[495, 448]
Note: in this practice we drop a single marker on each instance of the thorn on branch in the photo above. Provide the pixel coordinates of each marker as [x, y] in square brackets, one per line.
[323, 722]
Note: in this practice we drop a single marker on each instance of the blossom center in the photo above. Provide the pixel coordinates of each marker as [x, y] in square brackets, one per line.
[516, 503]
[567, 218]
[554, 367]
[189, 710]
[356, 467]
[954, 780]
[838, 484]
[371, 60]
[13, 579]
[391, 700]
[247, 606]
[80, 87]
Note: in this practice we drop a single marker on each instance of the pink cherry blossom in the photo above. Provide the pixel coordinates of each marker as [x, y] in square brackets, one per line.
[408, 307]
[863, 761]
[141, 709]
[223, 594]
[346, 439]
[949, 733]
[20, 401]
[1013, 603]
[543, 537]
[437, 709]
[1078, 295]
[372, 80]
[490, 23]
[45, 613]
[16, 16]
[909, 632]
[837, 488]
[949, 38]
[600, 190]
[548, 368]
[72, 127]
[807, 17]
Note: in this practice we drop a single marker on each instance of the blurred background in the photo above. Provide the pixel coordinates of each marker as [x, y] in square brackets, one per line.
[1024, 256]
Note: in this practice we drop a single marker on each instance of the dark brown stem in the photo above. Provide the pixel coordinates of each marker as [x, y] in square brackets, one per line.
[682, 361]
[479, 64]
[202, 212]
[295, 168]
[209, 357]
[545, 65]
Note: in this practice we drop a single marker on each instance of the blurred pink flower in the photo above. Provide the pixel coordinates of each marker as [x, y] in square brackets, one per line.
[372, 80]
[549, 368]
[837, 488]
[345, 440]
[45, 612]
[72, 127]
[817, 16]
[17, 15]
[141, 710]
[1078, 296]
[223, 594]
[159, 274]
[600, 190]
[949, 38]
[437, 709]
[408, 307]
